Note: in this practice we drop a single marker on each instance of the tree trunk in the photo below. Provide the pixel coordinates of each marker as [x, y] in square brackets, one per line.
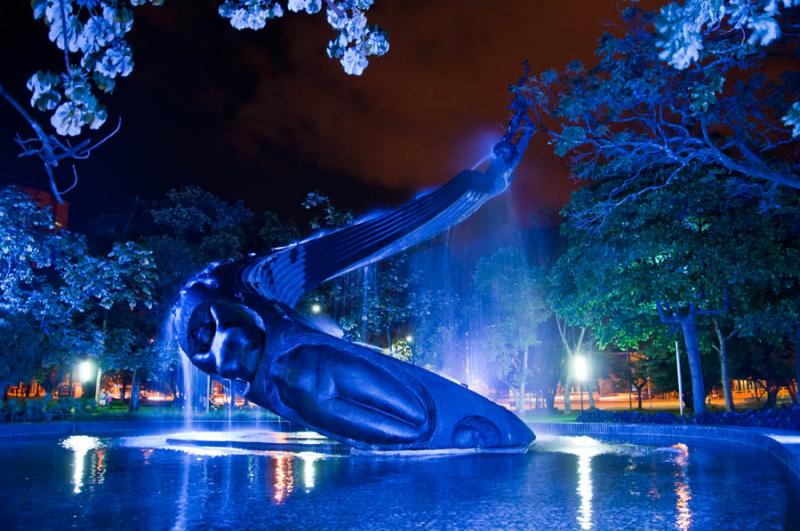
[124, 380]
[591, 396]
[52, 382]
[772, 396]
[523, 380]
[567, 394]
[723, 364]
[518, 400]
[639, 395]
[134, 405]
[797, 361]
[689, 328]
[550, 400]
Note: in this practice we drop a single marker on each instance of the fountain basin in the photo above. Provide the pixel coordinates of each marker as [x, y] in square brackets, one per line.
[267, 441]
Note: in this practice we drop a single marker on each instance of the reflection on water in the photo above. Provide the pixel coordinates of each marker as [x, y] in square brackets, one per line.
[683, 493]
[309, 460]
[585, 491]
[183, 499]
[284, 477]
[80, 446]
[564, 483]
[585, 448]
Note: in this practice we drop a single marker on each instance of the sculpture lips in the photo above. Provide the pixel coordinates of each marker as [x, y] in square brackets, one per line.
[205, 362]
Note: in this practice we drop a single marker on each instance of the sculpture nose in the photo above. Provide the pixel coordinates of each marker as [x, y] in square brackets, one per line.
[238, 342]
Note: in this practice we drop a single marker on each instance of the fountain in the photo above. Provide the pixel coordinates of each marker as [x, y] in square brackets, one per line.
[236, 320]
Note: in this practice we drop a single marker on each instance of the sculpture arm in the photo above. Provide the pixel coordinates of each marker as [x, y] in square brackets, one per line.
[288, 273]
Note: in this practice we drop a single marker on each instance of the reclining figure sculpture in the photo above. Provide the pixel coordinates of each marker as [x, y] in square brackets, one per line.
[236, 320]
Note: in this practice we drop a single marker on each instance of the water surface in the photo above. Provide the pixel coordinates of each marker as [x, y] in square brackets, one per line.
[564, 483]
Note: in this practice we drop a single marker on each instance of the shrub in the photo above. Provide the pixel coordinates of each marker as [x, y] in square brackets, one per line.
[784, 418]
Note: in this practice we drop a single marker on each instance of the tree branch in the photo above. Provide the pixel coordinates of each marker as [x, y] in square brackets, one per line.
[50, 149]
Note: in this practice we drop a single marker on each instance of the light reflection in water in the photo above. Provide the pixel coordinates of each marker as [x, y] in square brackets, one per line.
[585, 448]
[183, 498]
[100, 466]
[146, 453]
[284, 477]
[585, 490]
[309, 465]
[683, 492]
[80, 446]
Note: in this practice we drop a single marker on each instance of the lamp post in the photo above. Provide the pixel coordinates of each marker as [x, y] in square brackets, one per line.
[580, 372]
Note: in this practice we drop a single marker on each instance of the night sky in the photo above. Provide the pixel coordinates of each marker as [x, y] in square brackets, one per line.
[266, 116]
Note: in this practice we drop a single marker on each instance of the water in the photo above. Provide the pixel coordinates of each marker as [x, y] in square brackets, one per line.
[188, 391]
[565, 483]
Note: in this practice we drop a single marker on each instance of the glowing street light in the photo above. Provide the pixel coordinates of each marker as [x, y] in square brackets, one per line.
[85, 371]
[316, 308]
[580, 368]
[409, 338]
[580, 372]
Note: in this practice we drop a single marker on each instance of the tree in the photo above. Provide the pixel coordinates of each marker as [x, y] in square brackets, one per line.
[510, 297]
[547, 364]
[92, 36]
[55, 291]
[634, 115]
[187, 229]
[685, 254]
[690, 33]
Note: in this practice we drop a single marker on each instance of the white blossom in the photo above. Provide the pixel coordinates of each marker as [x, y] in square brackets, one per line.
[353, 62]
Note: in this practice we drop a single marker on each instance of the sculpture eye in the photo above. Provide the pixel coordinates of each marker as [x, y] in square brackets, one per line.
[202, 329]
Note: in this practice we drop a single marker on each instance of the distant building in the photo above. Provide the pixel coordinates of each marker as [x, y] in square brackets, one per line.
[47, 200]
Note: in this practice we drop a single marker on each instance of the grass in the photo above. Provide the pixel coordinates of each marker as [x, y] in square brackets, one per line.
[556, 416]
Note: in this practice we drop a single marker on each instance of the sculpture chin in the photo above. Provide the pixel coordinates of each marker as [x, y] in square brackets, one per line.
[220, 337]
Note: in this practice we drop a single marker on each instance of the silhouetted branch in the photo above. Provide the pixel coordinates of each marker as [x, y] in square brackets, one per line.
[50, 149]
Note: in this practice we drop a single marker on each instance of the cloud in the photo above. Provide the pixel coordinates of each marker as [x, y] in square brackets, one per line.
[429, 108]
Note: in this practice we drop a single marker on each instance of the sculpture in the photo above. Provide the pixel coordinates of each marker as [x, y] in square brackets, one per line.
[236, 320]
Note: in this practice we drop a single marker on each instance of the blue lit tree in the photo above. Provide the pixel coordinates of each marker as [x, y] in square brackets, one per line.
[686, 257]
[635, 115]
[699, 31]
[56, 293]
[510, 295]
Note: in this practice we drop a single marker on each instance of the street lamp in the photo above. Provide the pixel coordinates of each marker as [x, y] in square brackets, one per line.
[580, 372]
[316, 308]
[409, 338]
[85, 371]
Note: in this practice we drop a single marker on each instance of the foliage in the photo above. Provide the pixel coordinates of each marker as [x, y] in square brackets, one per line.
[324, 214]
[634, 115]
[686, 31]
[509, 293]
[690, 33]
[96, 30]
[785, 418]
[687, 252]
[55, 291]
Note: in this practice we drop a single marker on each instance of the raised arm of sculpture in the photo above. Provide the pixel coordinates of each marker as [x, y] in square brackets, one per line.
[292, 271]
[236, 320]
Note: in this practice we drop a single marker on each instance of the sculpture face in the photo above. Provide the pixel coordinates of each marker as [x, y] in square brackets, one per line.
[221, 337]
